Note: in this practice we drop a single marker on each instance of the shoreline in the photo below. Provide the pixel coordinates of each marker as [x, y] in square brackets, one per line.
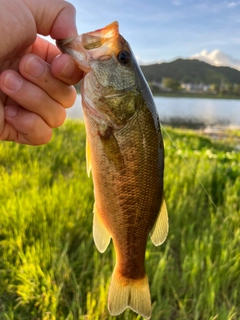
[189, 95]
[196, 95]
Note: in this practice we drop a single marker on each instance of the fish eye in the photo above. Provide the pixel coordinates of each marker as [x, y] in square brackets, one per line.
[124, 57]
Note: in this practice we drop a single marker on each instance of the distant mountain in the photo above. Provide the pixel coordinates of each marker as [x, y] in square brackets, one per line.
[191, 71]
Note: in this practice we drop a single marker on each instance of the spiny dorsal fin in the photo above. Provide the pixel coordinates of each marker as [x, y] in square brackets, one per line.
[160, 230]
[101, 235]
[132, 293]
[88, 158]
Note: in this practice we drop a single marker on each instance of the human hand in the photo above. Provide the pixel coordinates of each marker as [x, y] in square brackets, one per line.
[33, 98]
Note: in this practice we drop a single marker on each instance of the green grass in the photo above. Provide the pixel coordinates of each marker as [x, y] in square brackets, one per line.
[49, 266]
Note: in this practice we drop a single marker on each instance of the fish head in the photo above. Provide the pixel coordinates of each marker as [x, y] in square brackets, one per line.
[109, 65]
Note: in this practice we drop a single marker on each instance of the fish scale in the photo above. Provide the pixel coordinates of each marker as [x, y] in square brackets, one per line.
[124, 150]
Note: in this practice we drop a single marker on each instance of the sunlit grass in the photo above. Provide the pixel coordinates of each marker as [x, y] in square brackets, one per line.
[49, 266]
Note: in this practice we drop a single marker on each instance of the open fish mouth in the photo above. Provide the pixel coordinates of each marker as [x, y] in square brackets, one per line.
[63, 42]
[101, 37]
[83, 47]
[73, 46]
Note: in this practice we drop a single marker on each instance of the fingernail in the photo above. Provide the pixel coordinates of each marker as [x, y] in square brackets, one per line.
[68, 70]
[10, 112]
[34, 67]
[13, 82]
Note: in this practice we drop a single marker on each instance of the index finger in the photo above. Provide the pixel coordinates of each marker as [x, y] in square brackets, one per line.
[44, 49]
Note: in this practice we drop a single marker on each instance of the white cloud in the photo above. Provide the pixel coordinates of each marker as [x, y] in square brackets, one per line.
[217, 58]
[233, 4]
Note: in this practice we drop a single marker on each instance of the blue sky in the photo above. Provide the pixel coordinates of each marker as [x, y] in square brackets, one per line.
[162, 30]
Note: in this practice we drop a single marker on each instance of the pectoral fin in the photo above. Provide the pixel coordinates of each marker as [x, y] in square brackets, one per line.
[101, 235]
[88, 158]
[160, 230]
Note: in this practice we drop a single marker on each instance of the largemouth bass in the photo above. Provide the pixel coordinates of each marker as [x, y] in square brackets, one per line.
[125, 152]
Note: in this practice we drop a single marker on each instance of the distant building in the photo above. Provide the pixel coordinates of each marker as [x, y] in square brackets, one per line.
[192, 87]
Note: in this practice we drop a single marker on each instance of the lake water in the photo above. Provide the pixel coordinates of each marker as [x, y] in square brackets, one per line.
[189, 112]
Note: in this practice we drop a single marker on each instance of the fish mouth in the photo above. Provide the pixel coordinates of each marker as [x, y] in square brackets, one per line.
[101, 37]
[61, 43]
[83, 47]
[73, 47]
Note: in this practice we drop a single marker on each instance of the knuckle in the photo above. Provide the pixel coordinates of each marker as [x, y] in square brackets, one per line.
[32, 66]
[70, 97]
[57, 121]
[38, 132]
[66, 96]
[31, 124]
[45, 138]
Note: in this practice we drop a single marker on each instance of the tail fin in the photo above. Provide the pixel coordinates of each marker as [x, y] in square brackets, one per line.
[124, 292]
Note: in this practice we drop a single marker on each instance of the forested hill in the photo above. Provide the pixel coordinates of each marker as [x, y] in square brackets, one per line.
[190, 71]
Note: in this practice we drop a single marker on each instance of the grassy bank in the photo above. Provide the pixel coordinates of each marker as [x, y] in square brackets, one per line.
[49, 266]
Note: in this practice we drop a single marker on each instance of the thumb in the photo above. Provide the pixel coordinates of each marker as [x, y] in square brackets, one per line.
[55, 18]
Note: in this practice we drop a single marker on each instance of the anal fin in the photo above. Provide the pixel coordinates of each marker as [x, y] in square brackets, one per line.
[160, 230]
[101, 235]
